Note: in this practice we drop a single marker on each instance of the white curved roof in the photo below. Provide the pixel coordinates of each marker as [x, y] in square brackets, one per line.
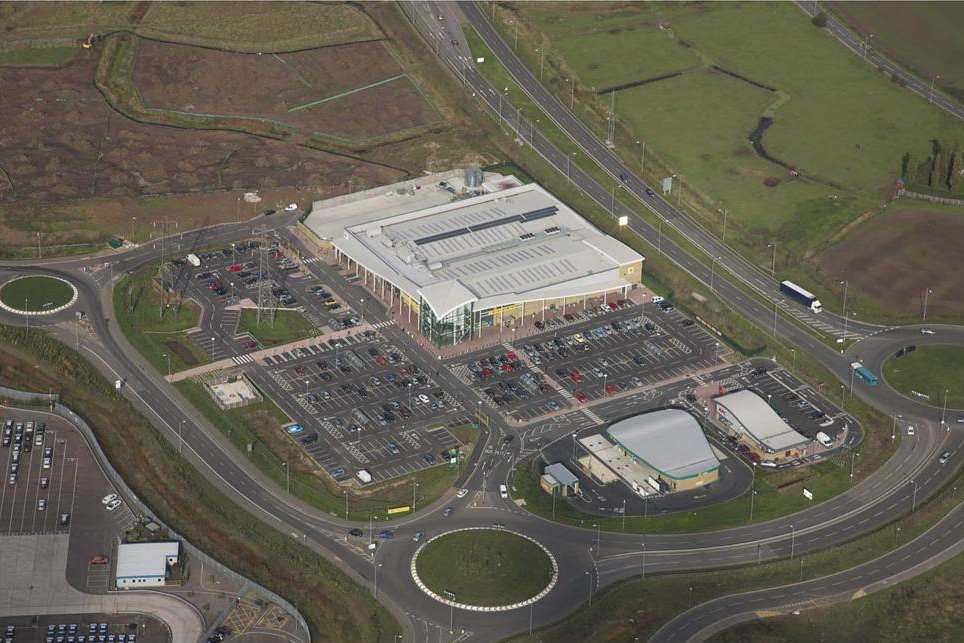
[517, 244]
[669, 440]
[757, 418]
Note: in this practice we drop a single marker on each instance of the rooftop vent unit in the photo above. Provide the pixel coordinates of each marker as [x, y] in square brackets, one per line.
[552, 230]
[435, 265]
[527, 235]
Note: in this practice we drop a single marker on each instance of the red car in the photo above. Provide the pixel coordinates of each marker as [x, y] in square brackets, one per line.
[580, 396]
[380, 360]
[612, 306]
[299, 370]
[511, 357]
[403, 373]
[507, 368]
[487, 372]
[575, 376]
[610, 389]
[234, 267]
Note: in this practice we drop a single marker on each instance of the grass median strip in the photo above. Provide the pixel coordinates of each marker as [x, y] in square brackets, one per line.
[335, 607]
[276, 327]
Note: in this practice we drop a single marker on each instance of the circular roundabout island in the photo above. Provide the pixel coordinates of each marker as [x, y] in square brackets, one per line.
[37, 295]
[484, 569]
[927, 372]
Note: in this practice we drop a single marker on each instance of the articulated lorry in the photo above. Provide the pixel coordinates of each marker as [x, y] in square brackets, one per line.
[801, 295]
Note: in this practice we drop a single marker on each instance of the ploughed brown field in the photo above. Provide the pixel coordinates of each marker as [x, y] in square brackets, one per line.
[894, 257]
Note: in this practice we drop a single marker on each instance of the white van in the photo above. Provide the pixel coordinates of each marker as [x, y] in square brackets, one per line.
[824, 439]
[503, 492]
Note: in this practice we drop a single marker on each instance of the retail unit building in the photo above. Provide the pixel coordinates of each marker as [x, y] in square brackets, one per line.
[457, 260]
[753, 420]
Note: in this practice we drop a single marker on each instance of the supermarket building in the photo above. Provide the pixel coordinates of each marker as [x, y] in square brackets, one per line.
[457, 259]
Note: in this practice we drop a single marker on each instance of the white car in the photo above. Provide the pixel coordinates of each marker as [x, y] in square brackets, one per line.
[109, 498]
[926, 331]
[113, 504]
[291, 207]
[423, 398]
[656, 299]
[42, 504]
[461, 493]
[910, 430]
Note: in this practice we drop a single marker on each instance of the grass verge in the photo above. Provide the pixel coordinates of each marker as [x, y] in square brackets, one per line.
[336, 608]
[255, 430]
[154, 322]
[279, 327]
[635, 608]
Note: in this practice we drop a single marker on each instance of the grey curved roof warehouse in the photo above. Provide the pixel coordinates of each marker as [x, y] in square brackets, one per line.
[668, 440]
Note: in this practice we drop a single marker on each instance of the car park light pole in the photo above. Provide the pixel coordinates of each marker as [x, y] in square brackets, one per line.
[414, 487]
[307, 382]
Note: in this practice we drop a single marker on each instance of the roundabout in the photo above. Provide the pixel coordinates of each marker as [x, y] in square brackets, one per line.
[926, 373]
[484, 569]
[37, 295]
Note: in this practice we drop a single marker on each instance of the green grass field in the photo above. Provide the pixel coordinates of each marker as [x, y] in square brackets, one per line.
[36, 293]
[923, 37]
[930, 370]
[845, 128]
[484, 567]
[282, 327]
[156, 331]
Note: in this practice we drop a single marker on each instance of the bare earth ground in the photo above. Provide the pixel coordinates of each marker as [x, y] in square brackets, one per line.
[894, 257]
[60, 142]
[205, 81]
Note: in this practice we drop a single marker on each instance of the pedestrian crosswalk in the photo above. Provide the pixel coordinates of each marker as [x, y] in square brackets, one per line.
[383, 324]
[311, 260]
[592, 416]
[242, 359]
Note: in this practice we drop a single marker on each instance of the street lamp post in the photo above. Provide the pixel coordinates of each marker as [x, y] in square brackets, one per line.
[180, 436]
[168, 358]
[589, 576]
[287, 478]
[944, 413]
[927, 291]
[930, 98]
[852, 371]
[844, 284]
[913, 504]
[893, 429]
[643, 565]
[712, 273]
[793, 540]
[853, 462]
[414, 487]
[773, 261]
[793, 352]
[752, 489]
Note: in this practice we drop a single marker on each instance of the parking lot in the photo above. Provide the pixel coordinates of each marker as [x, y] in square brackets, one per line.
[586, 356]
[71, 488]
[84, 628]
[40, 477]
[363, 405]
[799, 405]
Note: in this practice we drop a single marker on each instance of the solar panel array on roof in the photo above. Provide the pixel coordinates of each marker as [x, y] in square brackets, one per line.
[478, 227]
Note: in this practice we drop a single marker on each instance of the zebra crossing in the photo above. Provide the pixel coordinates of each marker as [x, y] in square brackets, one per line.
[382, 324]
[310, 260]
[242, 359]
[592, 416]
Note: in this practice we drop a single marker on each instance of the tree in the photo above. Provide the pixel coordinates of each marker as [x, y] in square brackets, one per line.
[819, 20]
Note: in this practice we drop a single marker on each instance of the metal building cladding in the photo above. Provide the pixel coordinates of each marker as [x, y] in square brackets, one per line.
[670, 444]
[458, 260]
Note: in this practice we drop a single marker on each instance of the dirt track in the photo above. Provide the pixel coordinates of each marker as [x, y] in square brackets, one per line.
[894, 257]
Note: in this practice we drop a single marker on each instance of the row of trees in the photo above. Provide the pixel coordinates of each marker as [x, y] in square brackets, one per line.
[942, 170]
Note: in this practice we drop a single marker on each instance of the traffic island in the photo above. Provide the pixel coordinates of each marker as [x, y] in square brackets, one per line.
[484, 569]
[37, 295]
[928, 374]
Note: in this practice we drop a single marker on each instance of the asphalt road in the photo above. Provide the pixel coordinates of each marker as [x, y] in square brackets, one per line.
[863, 49]
[895, 488]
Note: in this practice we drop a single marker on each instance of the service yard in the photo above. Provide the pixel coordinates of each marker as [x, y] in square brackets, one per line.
[589, 355]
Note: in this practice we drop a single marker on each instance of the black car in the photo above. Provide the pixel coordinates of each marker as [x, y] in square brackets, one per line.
[650, 193]
[356, 532]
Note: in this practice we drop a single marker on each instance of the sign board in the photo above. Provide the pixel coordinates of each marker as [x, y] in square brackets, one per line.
[667, 185]
[623, 220]
[399, 510]
[807, 494]
[480, 60]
